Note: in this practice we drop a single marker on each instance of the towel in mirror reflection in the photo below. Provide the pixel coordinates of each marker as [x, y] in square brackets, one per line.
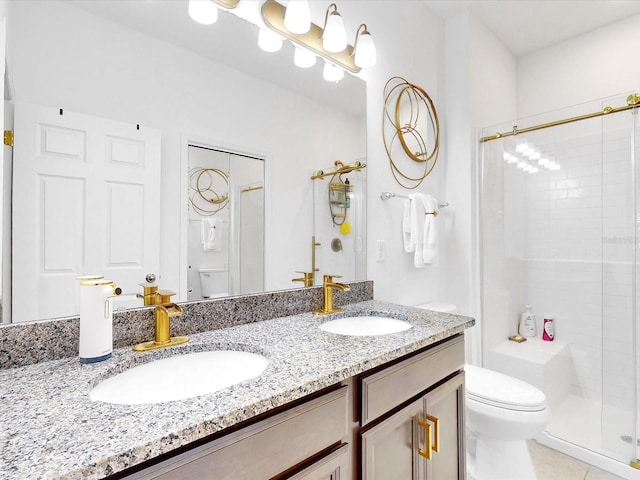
[210, 237]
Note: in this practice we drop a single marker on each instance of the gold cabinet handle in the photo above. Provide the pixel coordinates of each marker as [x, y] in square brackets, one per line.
[432, 445]
[427, 427]
[436, 428]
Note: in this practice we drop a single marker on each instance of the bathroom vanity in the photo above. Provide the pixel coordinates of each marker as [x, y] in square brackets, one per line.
[370, 426]
[326, 403]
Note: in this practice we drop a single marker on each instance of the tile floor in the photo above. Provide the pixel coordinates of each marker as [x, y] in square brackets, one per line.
[553, 465]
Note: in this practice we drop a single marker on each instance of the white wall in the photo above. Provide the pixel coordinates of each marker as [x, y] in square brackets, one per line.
[595, 65]
[409, 42]
[481, 90]
[71, 59]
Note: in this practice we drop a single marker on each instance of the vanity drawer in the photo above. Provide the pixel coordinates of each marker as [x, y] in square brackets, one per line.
[264, 449]
[388, 388]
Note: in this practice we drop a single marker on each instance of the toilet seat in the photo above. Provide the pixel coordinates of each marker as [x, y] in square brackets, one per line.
[499, 390]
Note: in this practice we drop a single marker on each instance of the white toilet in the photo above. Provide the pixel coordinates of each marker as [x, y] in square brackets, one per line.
[502, 413]
[214, 282]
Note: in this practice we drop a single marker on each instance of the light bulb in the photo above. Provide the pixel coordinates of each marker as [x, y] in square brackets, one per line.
[522, 165]
[297, 18]
[365, 50]
[269, 41]
[521, 147]
[304, 58]
[203, 11]
[334, 38]
[332, 73]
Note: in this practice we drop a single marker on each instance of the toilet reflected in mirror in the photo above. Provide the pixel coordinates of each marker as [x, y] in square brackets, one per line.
[214, 282]
[226, 223]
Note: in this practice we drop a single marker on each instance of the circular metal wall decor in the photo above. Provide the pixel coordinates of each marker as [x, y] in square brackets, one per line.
[410, 128]
[204, 184]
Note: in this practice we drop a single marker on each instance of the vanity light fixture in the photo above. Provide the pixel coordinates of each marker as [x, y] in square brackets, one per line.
[203, 11]
[297, 18]
[365, 49]
[273, 15]
[334, 36]
[282, 23]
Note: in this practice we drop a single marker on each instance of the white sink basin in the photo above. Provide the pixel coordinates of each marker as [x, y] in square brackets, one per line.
[366, 325]
[179, 377]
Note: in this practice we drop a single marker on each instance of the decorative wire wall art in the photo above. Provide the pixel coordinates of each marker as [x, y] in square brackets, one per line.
[208, 190]
[410, 128]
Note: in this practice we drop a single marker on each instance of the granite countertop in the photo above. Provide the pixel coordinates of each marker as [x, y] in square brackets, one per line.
[50, 428]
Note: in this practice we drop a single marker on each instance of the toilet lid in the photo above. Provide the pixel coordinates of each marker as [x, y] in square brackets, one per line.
[497, 389]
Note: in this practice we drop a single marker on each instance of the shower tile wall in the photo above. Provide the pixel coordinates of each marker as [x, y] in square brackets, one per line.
[572, 231]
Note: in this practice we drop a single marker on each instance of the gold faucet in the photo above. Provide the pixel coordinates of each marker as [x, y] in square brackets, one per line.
[307, 280]
[327, 288]
[150, 295]
[164, 312]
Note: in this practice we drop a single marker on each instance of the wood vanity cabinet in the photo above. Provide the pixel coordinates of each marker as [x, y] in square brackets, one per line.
[308, 435]
[374, 426]
[413, 417]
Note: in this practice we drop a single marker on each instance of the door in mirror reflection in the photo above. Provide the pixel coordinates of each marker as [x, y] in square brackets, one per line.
[226, 223]
[85, 201]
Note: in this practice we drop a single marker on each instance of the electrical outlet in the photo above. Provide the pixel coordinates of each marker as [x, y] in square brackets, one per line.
[381, 250]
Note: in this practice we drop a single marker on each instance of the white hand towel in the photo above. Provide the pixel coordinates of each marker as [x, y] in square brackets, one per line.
[429, 236]
[407, 235]
[417, 229]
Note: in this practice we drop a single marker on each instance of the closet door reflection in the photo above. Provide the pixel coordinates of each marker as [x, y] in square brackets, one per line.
[226, 224]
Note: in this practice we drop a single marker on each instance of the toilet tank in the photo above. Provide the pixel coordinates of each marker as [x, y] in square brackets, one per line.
[214, 282]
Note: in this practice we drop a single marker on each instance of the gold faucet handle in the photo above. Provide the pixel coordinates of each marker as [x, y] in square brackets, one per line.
[307, 280]
[329, 278]
[165, 296]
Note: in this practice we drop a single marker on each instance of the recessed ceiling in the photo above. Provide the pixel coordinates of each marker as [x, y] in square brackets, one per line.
[525, 26]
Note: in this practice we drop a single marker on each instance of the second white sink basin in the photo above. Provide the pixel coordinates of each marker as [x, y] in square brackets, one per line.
[365, 325]
[179, 377]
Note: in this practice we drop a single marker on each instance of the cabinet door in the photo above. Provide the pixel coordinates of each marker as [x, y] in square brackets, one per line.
[444, 408]
[390, 449]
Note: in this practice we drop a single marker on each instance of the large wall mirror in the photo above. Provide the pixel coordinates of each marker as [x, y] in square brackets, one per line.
[156, 84]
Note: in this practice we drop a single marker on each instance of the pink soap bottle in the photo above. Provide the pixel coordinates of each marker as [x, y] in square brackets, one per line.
[547, 330]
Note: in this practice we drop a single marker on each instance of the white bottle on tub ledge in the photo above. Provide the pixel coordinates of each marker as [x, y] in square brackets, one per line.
[527, 327]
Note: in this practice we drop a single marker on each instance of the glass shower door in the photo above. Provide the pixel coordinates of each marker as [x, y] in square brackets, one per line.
[619, 274]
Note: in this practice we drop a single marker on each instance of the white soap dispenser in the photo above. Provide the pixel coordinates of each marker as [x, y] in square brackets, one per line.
[527, 327]
[96, 318]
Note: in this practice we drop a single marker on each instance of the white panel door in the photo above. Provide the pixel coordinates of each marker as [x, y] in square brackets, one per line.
[86, 201]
